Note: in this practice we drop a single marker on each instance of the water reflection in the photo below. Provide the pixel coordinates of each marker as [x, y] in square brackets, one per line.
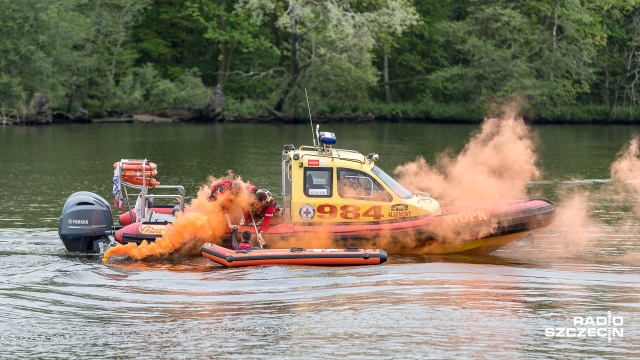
[435, 305]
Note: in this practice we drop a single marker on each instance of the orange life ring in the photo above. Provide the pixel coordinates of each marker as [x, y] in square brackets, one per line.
[137, 180]
[138, 173]
[135, 165]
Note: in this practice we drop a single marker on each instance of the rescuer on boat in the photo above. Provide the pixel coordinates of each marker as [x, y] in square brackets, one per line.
[230, 193]
[264, 208]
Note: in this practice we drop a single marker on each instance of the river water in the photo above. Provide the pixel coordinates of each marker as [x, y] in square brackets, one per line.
[515, 303]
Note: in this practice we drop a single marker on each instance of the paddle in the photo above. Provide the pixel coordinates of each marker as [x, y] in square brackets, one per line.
[256, 228]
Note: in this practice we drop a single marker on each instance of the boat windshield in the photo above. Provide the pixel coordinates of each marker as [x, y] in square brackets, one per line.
[392, 184]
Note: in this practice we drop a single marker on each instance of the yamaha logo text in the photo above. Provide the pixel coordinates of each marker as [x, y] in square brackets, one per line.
[78, 222]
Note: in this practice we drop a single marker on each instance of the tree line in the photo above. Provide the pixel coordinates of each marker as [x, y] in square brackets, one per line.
[223, 59]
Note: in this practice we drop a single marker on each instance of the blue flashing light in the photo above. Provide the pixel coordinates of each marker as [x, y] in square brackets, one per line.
[327, 138]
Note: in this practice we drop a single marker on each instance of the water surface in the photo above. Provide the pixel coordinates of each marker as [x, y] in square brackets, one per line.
[53, 304]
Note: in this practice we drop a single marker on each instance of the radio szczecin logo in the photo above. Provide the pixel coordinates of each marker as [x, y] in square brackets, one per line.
[583, 327]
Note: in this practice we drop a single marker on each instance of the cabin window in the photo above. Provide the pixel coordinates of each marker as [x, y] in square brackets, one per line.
[354, 184]
[392, 184]
[318, 182]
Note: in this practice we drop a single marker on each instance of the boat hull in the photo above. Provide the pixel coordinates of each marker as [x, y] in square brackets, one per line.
[293, 256]
[468, 230]
[141, 231]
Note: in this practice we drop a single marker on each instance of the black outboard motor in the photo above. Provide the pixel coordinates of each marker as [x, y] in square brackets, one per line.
[86, 222]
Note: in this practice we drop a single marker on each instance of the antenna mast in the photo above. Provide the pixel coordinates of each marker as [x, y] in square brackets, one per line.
[309, 107]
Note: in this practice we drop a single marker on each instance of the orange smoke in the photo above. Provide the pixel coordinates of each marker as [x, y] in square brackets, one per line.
[626, 171]
[626, 168]
[576, 232]
[310, 240]
[496, 164]
[627, 165]
[575, 228]
[202, 221]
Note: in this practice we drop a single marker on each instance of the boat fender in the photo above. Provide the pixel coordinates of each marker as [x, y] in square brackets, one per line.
[296, 249]
[163, 222]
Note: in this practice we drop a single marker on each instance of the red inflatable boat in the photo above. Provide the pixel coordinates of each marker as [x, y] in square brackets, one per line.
[293, 256]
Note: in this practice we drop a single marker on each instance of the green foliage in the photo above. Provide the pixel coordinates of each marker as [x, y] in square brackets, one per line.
[246, 109]
[419, 51]
[328, 46]
[335, 77]
[68, 50]
[397, 111]
[578, 114]
[569, 60]
[540, 54]
[145, 90]
[34, 40]
[617, 68]
[168, 37]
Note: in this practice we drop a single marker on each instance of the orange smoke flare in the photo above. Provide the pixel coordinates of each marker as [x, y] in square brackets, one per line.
[626, 168]
[496, 164]
[203, 221]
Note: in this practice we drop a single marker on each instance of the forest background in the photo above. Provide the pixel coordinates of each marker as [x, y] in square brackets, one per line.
[213, 60]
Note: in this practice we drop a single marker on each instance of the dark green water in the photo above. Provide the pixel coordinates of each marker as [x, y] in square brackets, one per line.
[57, 305]
[42, 166]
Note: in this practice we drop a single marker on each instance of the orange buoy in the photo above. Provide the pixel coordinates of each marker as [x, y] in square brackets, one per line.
[135, 165]
[139, 173]
[138, 180]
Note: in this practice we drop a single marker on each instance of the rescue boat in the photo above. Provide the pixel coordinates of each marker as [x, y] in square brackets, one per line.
[292, 256]
[344, 195]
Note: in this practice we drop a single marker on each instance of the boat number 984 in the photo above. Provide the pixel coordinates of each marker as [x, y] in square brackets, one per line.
[349, 212]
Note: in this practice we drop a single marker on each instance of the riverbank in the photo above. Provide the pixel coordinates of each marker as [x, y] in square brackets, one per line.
[153, 119]
[257, 112]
